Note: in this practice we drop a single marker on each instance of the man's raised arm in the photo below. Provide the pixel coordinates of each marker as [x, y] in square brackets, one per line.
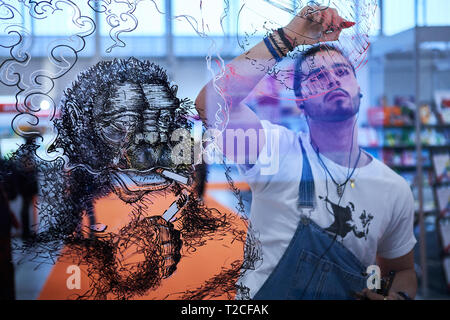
[244, 72]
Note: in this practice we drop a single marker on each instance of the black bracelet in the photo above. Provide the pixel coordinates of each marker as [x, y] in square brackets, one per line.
[277, 46]
[285, 40]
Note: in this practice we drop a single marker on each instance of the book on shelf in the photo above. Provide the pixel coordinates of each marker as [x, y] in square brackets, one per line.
[442, 101]
[441, 163]
[443, 199]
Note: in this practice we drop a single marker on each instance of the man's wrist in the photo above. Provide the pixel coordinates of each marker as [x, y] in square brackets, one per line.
[295, 38]
[288, 43]
[282, 45]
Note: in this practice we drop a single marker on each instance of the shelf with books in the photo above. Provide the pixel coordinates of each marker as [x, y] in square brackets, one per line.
[393, 128]
[400, 159]
[412, 127]
[401, 138]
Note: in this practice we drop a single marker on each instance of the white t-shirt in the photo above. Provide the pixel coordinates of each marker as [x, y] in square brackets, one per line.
[381, 203]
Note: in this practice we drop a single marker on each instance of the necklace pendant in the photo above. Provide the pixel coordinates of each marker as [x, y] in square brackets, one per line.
[340, 190]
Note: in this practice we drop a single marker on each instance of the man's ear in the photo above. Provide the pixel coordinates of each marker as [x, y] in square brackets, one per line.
[300, 104]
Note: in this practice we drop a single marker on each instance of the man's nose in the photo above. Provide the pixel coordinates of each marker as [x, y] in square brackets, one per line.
[141, 156]
[331, 81]
[149, 138]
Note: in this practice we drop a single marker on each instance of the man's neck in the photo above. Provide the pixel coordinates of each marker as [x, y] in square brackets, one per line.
[335, 140]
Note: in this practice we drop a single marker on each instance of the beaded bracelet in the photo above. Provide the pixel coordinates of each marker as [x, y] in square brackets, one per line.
[285, 40]
[282, 54]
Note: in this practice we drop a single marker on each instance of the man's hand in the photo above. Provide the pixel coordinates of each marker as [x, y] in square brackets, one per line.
[405, 278]
[368, 294]
[316, 24]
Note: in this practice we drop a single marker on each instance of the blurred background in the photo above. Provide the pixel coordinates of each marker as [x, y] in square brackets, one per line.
[401, 48]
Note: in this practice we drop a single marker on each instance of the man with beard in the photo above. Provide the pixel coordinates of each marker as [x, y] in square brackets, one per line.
[325, 185]
[152, 233]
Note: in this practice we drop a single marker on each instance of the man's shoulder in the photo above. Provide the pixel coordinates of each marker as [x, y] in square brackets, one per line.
[266, 124]
[283, 133]
[280, 152]
[388, 175]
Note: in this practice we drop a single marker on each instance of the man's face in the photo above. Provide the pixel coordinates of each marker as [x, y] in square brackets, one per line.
[329, 87]
[135, 123]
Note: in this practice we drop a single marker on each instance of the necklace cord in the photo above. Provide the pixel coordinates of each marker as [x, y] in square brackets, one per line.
[340, 197]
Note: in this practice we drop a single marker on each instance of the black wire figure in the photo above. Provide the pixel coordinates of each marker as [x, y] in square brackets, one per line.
[116, 129]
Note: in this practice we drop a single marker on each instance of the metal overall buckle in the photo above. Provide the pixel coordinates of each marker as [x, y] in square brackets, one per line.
[304, 219]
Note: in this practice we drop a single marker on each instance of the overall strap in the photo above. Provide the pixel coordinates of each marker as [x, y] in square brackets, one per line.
[306, 189]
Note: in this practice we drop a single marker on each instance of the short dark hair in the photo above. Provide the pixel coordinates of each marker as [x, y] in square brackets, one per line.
[308, 53]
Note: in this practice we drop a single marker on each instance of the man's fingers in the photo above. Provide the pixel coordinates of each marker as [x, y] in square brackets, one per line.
[394, 296]
[332, 36]
[317, 24]
[347, 24]
[315, 16]
[334, 19]
[335, 29]
[313, 13]
[309, 10]
[330, 21]
[372, 295]
[327, 19]
[369, 294]
[337, 21]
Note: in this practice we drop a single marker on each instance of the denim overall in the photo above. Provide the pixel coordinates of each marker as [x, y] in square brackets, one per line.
[314, 265]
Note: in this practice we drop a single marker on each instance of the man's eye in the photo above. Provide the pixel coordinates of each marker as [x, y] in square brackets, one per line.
[119, 129]
[341, 72]
[116, 127]
[114, 132]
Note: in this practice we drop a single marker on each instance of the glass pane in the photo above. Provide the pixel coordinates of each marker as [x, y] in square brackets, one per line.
[147, 18]
[60, 22]
[257, 17]
[398, 15]
[375, 23]
[204, 16]
[12, 15]
[437, 13]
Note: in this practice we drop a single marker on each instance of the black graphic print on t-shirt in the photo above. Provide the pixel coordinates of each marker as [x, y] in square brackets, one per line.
[343, 220]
